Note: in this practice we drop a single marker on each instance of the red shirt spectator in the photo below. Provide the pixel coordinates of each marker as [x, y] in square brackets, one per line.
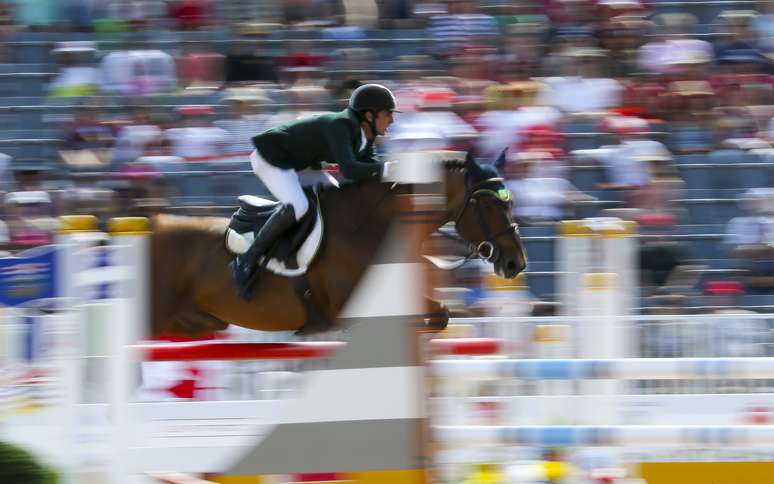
[191, 14]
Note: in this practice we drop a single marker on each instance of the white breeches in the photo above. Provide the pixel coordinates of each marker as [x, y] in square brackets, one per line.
[283, 184]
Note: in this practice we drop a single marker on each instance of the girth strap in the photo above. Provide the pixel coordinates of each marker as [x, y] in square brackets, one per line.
[315, 321]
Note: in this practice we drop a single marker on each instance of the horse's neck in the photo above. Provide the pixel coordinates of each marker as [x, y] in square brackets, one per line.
[454, 190]
[374, 205]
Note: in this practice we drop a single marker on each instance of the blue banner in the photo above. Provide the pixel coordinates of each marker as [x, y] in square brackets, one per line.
[29, 276]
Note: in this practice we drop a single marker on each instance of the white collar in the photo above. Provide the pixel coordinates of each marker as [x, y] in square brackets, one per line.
[364, 141]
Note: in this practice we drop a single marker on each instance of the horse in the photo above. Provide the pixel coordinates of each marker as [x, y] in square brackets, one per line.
[193, 295]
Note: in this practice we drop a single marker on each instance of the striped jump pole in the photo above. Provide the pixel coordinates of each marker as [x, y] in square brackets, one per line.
[610, 369]
[365, 414]
[235, 351]
[642, 436]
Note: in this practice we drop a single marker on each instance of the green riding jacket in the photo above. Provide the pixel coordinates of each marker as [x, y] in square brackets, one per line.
[331, 138]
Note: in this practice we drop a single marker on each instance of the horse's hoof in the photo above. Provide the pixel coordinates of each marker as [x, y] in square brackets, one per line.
[436, 322]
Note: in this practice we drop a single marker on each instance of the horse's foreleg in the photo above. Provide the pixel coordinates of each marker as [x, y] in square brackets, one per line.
[436, 318]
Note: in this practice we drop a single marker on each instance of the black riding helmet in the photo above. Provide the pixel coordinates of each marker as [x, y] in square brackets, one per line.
[374, 98]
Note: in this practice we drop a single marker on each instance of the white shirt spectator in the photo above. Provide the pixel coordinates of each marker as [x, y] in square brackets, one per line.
[750, 230]
[241, 130]
[580, 95]
[628, 164]
[663, 57]
[73, 78]
[197, 142]
[431, 130]
[501, 129]
[138, 72]
[539, 198]
[133, 140]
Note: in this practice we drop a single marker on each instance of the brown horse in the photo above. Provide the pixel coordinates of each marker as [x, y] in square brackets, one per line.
[193, 293]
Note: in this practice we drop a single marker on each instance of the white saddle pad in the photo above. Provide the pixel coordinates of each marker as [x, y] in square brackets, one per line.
[237, 244]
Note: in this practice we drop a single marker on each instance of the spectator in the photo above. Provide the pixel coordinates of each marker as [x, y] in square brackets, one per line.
[77, 76]
[31, 218]
[197, 139]
[538, 199]
[750, 239]
[674, 51]
[246, 63]
[137, 72]
[78, 14]
[688, 111]
[513, 109]
[663, 260]
[460, 27]
[244, 121]
[731, 333]
[622, 36]
[522, 51]
[432, 126]
[584, 74]
[87, 131]
[192, 14]
[140, 137]
[741, 44]
[763, 26]
[35, 14]
[201, 70]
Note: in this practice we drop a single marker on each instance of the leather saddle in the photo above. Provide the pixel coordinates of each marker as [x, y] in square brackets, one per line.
[293, 251]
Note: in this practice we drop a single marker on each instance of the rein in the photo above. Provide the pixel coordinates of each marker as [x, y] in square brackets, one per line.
[485, 250]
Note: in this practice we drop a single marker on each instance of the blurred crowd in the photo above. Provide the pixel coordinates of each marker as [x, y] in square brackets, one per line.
[658, 113]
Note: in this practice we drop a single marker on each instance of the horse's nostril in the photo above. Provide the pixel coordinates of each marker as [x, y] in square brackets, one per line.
[510, 266]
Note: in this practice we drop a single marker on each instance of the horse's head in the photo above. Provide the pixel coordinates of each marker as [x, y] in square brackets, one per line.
[483, 218]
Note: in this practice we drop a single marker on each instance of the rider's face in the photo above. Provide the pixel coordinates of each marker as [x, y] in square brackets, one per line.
[383, 121]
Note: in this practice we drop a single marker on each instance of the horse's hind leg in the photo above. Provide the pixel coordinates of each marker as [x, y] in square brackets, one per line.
[193, 323]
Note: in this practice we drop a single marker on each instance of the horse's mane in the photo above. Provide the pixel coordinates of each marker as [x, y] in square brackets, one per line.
[485, 171]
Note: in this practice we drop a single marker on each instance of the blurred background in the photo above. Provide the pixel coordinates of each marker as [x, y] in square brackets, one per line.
[655, 112]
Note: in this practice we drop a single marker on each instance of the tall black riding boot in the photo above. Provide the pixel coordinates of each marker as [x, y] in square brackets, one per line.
[243, 265]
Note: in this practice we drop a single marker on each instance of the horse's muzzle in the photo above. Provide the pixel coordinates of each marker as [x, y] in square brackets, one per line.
[510, 266]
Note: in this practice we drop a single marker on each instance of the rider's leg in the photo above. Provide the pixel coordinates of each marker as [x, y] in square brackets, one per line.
[284, 185]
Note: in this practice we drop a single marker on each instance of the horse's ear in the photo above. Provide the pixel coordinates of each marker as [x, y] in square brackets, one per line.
[500, 163]
[470, 161]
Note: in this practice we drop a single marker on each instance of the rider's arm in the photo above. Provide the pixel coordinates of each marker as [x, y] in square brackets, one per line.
[339, 138]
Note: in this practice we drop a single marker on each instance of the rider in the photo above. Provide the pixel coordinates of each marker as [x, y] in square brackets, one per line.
[345, 138]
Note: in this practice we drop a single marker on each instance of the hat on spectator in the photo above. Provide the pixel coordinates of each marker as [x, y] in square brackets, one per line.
[528, 156]
[623, 125]
[723, 287]
[675, 19]
[27, 197]
[737, 17]
[195, 110]
[440, 98]
[584, 52]
[257, 28]
[691, 88]
[647, 150]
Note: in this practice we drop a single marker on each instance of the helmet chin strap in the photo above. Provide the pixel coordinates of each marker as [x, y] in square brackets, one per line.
[372, 123]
